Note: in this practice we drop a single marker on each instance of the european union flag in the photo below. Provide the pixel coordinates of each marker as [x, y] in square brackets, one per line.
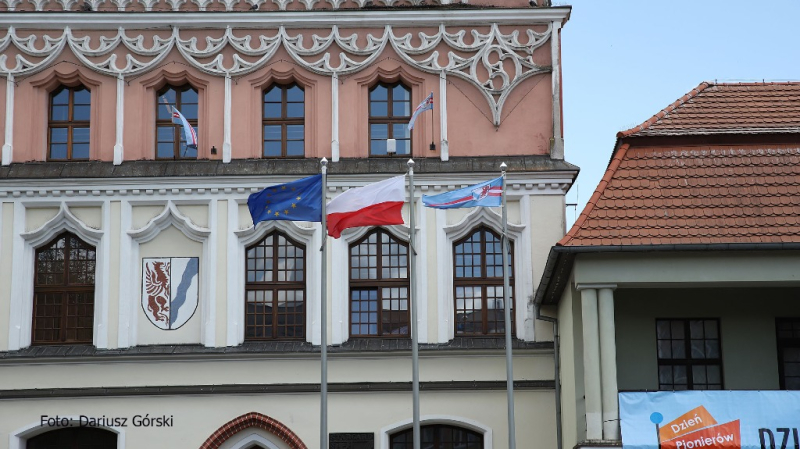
[299, 200]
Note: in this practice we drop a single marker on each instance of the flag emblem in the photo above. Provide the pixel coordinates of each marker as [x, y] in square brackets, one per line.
[169, 290]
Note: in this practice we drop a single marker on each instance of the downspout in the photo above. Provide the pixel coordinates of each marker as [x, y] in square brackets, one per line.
[557, 355]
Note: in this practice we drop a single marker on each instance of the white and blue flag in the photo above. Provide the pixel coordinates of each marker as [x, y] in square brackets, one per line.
[485, 194]
[426, 105]
[188, 132]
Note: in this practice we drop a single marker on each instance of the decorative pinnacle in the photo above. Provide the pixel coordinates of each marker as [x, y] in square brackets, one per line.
[324, 162]
[503, 166]
[410, 163]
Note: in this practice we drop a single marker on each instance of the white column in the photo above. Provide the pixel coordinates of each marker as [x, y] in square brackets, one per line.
[557, 148]
[7, 146]
[608, 363]
[591, 364]
[444, 154]
[118, 146]
[335, 117]
[226, 122]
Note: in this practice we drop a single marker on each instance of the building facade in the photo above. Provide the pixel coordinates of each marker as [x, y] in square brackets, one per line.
[681, 272]
[140, 307]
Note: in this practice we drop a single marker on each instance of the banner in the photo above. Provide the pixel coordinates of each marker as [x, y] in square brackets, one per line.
[710, 420]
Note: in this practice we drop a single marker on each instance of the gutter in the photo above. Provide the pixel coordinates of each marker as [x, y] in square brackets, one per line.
[561, 258]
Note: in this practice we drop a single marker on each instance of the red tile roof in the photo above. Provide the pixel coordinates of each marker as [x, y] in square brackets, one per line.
[658, 192]
[719, 108]
[687, 195]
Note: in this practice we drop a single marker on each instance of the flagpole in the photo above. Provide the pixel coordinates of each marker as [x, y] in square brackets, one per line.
[512, 440]
[412, 297]
[323, 383]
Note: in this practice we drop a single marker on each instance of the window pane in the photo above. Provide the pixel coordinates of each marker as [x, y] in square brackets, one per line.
[80, 151]
[400, 93]
[58, 151]
[295, 94]
[272, 149]
[379, 93]
[188, 152]
[165, 133]
[379, 132]
[401, 131]
[61, 97]
[60, 113]
[188, 96]
[58, 135]
[295, 148]
[272, 132]
[378, 109]
[166, 150]
[273, 94]
[272, 110]
[189, 111]
[82, 96]
[401, 108]
[295, 132]
[295, 110]
[377, 148]
[81, 113]
[80, 135]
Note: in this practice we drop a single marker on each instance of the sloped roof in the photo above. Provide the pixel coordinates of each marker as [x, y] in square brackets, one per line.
[659, 192]
[655, 195]
[727, 108]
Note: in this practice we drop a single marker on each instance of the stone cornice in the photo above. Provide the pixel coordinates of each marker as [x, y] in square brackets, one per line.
[350, 18]
[188, 180]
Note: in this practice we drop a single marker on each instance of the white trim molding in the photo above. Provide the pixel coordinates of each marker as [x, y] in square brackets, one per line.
[7, 155]
[451, 420]
[237, 251]
[448, 235]
[253, 440]
[340, 291]
[25, 244]
[18, 438]
[130, 298]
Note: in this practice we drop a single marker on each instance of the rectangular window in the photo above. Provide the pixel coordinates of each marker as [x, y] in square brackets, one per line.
[689, 354]
[788, 330]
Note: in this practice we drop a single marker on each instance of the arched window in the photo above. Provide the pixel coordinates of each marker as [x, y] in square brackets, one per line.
[284, 121]
[68, 126]
[275, 289]
[379, 286]
[389, 113]
[478, 284]
[74, 438]
[63, 292]
[438, 436]
[170, 137]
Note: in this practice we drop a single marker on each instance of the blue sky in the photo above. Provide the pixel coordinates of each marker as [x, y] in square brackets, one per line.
[625, 60]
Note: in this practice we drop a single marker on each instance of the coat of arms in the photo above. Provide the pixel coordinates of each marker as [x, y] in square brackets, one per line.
[169, 290]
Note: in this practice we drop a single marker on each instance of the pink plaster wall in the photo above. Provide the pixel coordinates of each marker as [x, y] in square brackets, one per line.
[526, 120]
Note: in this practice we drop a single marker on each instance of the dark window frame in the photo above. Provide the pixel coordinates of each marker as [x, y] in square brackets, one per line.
[64, 288]
[483, 281]
[177, 130]
[70, 123]
[405, 437]
[390, 119]
[275, 286]
[379, 283]
[284, 121]
[786, 343]
[688, 361]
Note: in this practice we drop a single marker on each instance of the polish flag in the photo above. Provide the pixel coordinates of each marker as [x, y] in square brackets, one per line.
[372, 205]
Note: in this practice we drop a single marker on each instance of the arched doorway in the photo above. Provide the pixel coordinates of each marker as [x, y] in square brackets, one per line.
[253, 420]
[74, 438]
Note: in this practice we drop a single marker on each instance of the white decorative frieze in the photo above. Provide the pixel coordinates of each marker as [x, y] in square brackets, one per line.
[494, 62]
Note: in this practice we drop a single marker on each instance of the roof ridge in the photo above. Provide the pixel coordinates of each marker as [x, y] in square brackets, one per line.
[664, 112]
[756, 83]
[601, 186]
